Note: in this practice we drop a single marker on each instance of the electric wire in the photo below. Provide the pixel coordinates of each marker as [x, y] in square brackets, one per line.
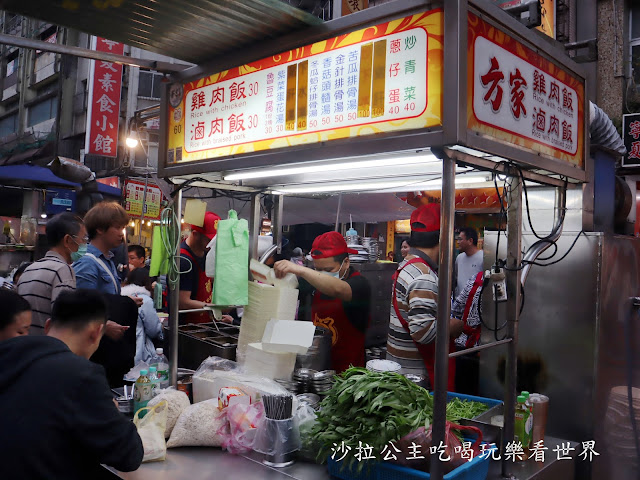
[170, 235]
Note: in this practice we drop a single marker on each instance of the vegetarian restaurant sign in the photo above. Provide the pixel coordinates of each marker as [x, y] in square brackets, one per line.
[519, 97]
[379, 79]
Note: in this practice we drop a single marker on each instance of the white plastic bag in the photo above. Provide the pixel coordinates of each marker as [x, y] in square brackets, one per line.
[151, 430]
[210, 261]
[177, 402]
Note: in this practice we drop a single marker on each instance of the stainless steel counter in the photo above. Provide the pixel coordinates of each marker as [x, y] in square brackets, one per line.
[205, 463]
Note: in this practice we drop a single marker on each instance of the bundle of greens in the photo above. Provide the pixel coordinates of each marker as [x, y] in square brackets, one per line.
[375, 408]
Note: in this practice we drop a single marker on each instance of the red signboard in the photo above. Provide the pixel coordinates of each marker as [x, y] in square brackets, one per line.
[104, 102]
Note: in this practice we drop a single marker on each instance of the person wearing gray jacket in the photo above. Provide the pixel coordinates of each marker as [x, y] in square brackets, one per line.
[149, 328]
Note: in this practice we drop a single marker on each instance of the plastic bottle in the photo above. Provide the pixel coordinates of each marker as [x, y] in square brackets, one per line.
[142, 393]
[155, 381]
[162, 367]
[523, 424]
[529, 405]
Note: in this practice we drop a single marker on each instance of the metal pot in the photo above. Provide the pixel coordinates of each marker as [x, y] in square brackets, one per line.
[318, 357]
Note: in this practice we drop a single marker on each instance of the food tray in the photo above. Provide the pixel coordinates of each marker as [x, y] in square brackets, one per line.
[489, 402]
[476, 469]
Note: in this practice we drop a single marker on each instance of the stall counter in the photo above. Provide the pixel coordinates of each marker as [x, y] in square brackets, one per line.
[204, 463]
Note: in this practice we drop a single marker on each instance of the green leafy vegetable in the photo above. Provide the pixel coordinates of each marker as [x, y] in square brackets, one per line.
[375, 408]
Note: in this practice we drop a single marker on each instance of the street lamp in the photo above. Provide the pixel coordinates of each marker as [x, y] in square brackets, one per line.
[131, 142]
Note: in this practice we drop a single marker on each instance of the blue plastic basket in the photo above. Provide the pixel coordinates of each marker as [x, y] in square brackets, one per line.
[490, 402]
[476, 469]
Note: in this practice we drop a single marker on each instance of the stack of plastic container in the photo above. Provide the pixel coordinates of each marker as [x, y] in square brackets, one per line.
[265, 302]
[269, 364]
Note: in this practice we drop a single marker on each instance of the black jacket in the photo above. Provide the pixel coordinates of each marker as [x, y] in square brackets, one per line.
[57, 416]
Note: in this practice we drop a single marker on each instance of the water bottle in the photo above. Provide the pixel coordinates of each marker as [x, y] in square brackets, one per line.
[162, 367]
[142, 393]
[157, 296]
[155, 381]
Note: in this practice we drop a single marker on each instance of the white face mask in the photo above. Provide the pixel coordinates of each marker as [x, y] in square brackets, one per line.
[336, 274]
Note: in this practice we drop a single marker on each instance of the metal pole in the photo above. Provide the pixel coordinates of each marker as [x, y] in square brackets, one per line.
[174, 297]
[254, 225]
[514, 259]
[479, 347]
[338, 212]
[144, 202]
[32, 44]
[445, 277]
[278, 213]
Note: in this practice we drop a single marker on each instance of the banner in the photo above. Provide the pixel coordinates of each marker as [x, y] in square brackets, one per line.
[134, 200]
[379, 79]
[519, 97]
[103, 111]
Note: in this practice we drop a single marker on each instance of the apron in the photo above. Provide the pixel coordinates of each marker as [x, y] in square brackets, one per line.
[347, 342]
[472, 333]
[427, 351]
[204, 293]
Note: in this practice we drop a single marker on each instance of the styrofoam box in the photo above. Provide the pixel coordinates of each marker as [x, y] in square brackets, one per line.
[288, 336]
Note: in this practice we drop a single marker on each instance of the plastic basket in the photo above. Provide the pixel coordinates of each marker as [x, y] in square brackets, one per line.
[490, 402]
[476, 469]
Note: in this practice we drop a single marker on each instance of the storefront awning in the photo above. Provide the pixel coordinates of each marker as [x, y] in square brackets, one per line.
[32, 174]
[191, 31]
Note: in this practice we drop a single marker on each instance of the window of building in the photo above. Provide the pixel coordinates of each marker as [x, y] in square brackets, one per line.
[149, 85]
[634, 44]
[12, 63]
[9, 125]
[42, 111]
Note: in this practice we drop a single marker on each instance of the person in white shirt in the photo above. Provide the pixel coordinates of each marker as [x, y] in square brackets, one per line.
[470, 260]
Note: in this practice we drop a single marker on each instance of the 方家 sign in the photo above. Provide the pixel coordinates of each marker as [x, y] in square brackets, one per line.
[374, 80]
[103, 111]
[521, 98]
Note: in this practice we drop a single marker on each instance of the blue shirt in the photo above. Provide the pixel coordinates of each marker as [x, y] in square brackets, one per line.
[90, 274]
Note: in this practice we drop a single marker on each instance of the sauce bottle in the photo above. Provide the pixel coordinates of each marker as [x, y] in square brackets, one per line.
[523, 424]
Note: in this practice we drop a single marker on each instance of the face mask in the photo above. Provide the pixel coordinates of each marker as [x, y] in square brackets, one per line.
[336, 274]
[82, 250]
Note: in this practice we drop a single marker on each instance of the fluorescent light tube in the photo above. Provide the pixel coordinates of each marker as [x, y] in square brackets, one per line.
[323, 167]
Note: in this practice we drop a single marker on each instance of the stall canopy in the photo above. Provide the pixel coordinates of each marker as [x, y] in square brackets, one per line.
[191, 31]
[41, 176]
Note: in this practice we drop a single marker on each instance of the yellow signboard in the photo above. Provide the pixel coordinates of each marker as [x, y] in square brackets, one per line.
[375, 80]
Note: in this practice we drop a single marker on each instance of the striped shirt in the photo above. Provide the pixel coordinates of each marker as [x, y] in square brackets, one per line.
[417, 295]
[42, 282]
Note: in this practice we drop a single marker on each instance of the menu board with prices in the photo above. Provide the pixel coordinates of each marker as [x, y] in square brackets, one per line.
[375, 80]
[135, 200]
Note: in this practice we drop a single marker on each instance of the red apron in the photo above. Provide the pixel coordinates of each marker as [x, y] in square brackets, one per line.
[347, 341]
[427, 351]
[204, 293]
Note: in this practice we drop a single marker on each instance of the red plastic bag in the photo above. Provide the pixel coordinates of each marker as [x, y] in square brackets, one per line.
[419, 443]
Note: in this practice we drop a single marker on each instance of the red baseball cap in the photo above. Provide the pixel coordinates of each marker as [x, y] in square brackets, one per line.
[330, 244]
[428, 215]
[210, 226]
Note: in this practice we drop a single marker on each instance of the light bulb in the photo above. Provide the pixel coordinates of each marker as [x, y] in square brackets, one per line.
[131, 142]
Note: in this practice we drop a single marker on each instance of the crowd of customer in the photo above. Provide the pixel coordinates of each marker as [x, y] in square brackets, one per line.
[52, 322]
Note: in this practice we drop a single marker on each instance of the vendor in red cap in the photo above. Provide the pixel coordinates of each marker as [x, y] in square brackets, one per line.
[414, 304]
[341, 302]
[196, 289]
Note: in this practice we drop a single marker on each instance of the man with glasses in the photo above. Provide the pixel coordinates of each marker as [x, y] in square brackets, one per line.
[44, 280]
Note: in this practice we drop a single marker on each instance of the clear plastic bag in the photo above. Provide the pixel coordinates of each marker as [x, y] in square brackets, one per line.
[151, 430]
[277, 437]
[198, 426]
[244, 421]
[305, 418]
[215, 373]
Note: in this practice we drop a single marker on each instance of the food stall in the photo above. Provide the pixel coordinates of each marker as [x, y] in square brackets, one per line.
[409, 95]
